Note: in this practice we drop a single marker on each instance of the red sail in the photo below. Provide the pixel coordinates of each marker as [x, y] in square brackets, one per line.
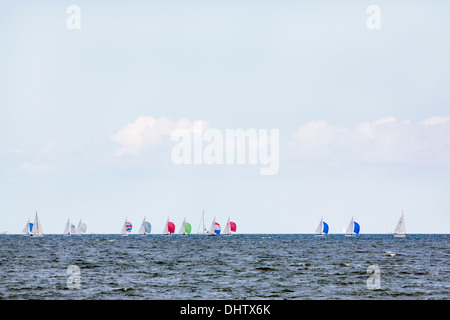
[171, 227]
[233, 226]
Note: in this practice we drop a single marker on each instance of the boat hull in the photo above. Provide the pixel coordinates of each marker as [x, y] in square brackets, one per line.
[399, 235]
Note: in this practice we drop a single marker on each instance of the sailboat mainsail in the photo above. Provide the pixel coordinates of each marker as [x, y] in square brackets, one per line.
[352, 229]
[27, 229]
[67, 229]
[202, 224]
[145, 228]
[230, 226]
[214, 230]
[126, 229]
[400, 229]
[185, 228]
[36, 231]
[169, 228]
[322, 228]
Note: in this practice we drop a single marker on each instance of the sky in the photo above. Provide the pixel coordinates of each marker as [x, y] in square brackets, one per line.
[87, 114]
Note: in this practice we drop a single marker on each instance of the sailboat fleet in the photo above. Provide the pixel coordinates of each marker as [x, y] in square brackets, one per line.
[353, 229]
[71, 229]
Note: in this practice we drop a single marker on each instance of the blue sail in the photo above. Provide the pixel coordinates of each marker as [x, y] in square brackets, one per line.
[355, 227]
[325, 228]
[31, 226]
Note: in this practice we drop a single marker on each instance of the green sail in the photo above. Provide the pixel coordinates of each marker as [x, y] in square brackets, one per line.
[187, 227]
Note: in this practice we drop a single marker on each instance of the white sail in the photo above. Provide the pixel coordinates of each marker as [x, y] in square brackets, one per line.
[400, 229]
[142, 228]
[183, 228]
[37, 228]
[166, 227]
[226, 230]
[202, 224]
[319, 227]
[212, 228]
[349, 230]
[26, 229]
[67, 228]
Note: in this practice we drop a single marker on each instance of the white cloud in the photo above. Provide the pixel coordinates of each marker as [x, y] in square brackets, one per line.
[384, 140]
[147, 131]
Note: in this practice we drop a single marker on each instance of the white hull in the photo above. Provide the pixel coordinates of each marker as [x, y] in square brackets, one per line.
[399, 235]
[319, 235]
[350, 235]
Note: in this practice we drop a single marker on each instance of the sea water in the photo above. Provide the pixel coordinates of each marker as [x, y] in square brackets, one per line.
[252, 266]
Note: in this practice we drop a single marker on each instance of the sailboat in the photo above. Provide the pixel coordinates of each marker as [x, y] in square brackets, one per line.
[230, 226]
[185, 228]
[126, 229]
[202, 223]
[169, 228]
[145, 228]
[81, 228]
[27, 229]
[322, 228]
[352, 229]
[36, 231]
[214, 230]
[67, 229]
[400, 230]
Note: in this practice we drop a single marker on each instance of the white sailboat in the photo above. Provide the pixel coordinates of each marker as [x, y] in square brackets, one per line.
[36, 231]
[322, 228]
[230, 226]
[400, 229]
[145, 228]
[185, 228]
[352, 229]
[126, 229]
[214, 230]
[169, 228]
[67, 229]
[27, 229]
[202, 223]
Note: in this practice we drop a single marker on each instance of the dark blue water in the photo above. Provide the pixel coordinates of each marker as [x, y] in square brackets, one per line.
[256, 266]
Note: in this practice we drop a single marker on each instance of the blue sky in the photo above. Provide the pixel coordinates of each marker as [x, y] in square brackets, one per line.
[363, 115]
